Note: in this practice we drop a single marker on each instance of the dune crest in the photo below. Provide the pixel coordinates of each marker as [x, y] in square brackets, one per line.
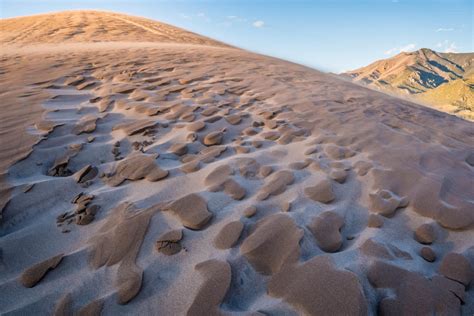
[93, 26]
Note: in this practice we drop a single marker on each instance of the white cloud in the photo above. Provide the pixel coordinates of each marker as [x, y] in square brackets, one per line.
[225, 24]
[235, 18]
[407, 48]
[390, 51]
[203, 16]
[452, 48]
[445, 29]
[258, 23]
[199, 15]
[396, 50]
[447, 47]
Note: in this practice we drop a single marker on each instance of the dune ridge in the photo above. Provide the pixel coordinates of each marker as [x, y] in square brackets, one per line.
[194, 178]
[83, 26]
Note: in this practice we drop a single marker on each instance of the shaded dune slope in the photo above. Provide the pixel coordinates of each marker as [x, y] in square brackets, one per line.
[177, 179]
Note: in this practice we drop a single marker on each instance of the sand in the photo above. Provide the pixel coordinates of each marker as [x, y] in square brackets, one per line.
[149, 170]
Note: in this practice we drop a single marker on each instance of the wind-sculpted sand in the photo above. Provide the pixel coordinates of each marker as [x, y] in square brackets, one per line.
[175, 175]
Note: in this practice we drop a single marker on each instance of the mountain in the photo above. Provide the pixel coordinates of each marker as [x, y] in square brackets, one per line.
[147, 170]
[442, 80]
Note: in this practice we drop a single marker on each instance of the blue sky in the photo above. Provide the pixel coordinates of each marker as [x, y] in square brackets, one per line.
[328, 35]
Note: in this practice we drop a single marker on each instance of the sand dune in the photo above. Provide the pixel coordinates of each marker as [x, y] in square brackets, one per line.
[169, 174]
[91, 26]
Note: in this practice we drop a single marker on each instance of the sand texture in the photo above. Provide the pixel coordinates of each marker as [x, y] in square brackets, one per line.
[147, 170]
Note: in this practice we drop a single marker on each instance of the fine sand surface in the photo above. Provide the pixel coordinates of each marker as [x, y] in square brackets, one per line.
[169, 174]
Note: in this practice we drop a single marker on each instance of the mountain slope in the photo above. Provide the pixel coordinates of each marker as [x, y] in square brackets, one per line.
[158, 179]
[443, 80]
[93, 26]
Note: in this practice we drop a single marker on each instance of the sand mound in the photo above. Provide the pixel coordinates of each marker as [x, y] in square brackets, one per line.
[94, 308]
[169, 242]
[321, 192]
[217, 276]
[191, 210]
[33, 275]
[456, 267]
[428, 254]
[135, 168]
[276, 184]
[318, 288]
[425, 234]
[228, 235]
[326, 228]
[63, 306]
[415, 293]
[273, 244]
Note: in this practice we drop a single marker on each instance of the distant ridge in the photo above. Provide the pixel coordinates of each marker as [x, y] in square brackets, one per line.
[444, 80]
[93, 26]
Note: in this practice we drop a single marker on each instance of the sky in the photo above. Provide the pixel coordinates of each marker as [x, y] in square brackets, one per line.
[329, 35]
